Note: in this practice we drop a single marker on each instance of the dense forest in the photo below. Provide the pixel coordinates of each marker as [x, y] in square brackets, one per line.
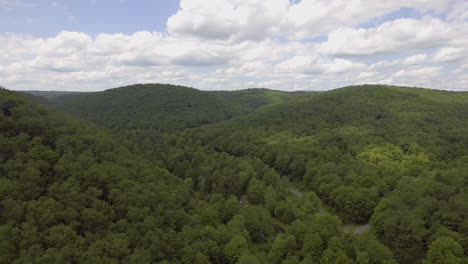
[160, 107]
[169, 174]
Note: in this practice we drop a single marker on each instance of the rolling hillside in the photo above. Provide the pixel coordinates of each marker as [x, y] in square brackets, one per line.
[370, 152]
[71, 192]
[270, 177]
[67, 190]
[163, 107]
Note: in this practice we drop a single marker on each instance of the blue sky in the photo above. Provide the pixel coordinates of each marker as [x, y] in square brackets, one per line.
[92, 45]
[44, 18]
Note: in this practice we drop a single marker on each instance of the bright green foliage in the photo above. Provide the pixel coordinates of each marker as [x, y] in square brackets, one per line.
[444, 250]
[356, 145]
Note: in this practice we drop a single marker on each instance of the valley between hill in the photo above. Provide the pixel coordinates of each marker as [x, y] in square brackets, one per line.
[170, 174]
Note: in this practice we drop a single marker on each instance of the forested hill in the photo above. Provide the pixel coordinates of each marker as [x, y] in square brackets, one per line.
[395, 156]
[382, 111]
[163, 107]
[67, 190]
[70, 193]
[272, 184]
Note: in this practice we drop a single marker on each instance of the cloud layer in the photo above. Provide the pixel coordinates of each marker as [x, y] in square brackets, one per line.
[281, 44]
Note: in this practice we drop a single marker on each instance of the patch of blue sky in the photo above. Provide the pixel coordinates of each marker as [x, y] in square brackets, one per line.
[46, 18]
[401, 13]
[316, 39]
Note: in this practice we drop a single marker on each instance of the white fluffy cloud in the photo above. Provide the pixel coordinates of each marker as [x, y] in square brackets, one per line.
[227, 19]
[451, 54]
[311, 65]
[400, 35]
[231, 44]
[257, 19]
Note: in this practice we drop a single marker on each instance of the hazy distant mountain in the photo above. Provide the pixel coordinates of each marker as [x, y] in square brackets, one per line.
[51, 94]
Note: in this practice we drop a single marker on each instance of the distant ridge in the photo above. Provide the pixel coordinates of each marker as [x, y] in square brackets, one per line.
[161, 106]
